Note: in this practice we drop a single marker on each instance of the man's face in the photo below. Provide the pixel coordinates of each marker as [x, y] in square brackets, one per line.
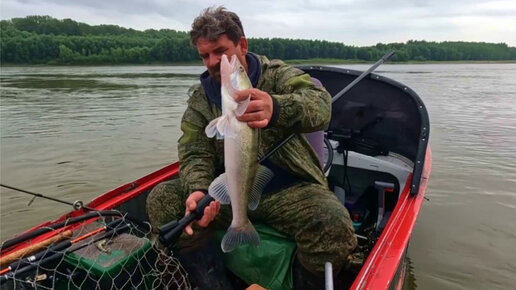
[211, 52]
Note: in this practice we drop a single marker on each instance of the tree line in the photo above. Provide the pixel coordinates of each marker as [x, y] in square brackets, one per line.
[46, 40]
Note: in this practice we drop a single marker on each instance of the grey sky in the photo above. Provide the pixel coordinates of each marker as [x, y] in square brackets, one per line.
[353, 22]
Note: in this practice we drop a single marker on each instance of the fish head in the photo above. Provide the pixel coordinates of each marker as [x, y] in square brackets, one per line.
[228, 74]
[211, 52]
[233, 75]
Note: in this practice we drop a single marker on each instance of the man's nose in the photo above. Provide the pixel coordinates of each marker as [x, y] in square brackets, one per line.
[214, 60]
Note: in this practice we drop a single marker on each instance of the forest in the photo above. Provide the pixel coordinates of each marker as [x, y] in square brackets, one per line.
[46, 40]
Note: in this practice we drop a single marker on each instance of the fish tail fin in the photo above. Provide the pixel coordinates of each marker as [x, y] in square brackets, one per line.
[240, 236]
[263, 177]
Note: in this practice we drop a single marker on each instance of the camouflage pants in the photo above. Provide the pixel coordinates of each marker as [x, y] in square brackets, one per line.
[309, 213]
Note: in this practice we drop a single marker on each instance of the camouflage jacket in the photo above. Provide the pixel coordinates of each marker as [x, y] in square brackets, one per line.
[302, 108]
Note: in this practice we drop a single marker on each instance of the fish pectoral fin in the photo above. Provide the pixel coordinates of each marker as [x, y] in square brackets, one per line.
[224, 125]
[219, 127]
[218, 189]
[263, 177]
[211, 130]
[242, 106]
[240, 236]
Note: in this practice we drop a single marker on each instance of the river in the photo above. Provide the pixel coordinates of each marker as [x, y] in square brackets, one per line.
[76, 132]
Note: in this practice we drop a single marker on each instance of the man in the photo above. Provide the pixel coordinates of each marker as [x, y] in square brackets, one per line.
[297, 202]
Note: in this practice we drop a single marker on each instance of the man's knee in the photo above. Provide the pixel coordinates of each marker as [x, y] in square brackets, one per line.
[333, 238]
[165, 203]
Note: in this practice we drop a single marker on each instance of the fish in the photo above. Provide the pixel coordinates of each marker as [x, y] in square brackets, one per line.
[244, 179]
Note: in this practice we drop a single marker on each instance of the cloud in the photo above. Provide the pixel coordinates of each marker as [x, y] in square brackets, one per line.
[352, 22]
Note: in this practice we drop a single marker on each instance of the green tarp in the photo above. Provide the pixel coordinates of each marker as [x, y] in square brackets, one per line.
[268, 265]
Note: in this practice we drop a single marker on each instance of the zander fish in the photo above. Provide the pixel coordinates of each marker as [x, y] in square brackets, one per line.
[244, 179]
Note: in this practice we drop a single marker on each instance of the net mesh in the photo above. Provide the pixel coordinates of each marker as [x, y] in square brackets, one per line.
[106, 253]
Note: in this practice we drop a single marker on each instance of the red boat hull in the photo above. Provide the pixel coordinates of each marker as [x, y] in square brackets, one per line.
[386, 258]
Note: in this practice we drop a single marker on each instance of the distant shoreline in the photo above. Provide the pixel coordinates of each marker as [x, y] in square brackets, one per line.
[315, 61]
[40, 39]
[338, 61]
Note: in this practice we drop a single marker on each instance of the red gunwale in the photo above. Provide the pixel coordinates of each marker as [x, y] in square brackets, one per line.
[383, 261]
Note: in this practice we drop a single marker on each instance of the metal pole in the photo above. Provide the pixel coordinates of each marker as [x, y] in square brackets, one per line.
[328, 276]
[362, 75]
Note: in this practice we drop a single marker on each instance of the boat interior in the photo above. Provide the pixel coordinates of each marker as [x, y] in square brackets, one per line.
[373, 150]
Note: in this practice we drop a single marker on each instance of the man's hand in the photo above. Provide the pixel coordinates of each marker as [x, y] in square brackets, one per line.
[210, 211]
[259, 111]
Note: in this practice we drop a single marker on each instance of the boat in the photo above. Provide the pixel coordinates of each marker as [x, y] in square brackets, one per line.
[376, 159]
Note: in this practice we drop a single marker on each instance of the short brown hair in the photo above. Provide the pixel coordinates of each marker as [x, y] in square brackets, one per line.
[215, 21]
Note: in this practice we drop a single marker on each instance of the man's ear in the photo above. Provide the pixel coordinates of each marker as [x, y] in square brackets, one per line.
[243, 45]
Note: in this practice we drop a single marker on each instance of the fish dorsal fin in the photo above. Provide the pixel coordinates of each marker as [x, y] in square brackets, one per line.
[263, 177]
[218, 189]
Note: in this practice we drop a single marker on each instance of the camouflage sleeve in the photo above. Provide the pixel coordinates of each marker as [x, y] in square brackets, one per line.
[302, 106]
[196, 151]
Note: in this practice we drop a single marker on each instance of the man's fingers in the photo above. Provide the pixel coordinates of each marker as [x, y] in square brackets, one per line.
[258, 124]
[243, 94]
[206, 217]
[254, 116]
[189, 230]
[255, 106]
[191, 205]
[210, 212]
[259, 110]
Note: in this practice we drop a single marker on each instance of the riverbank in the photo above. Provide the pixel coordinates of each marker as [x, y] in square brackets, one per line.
[310, 61]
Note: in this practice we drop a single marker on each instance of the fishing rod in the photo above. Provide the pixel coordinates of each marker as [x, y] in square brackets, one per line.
[20, 263]
[170, 232]
[45, 259]
[27, 236]
[77, 205]
[22, 253]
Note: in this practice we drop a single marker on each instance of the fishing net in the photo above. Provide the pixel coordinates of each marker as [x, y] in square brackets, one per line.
[101, 253]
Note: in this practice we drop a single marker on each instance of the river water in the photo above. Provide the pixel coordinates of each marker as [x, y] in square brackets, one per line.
[76, 132]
